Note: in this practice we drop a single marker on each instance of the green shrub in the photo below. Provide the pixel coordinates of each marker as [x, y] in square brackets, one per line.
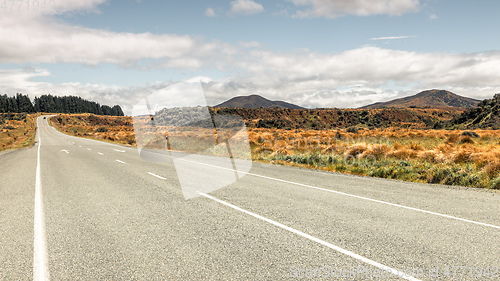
[494, 183]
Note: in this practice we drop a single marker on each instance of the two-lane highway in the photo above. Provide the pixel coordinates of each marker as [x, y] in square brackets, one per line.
[110, 215]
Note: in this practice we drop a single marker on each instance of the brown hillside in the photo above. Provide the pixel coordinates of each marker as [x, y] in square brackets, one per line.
[322, 119]
[431, 98]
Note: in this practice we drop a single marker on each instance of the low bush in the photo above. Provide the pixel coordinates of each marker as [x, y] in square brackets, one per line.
[470, 134]
[101, 130]
[352, 130]
[492, 169]
[452, 139]
[495, 183]
[466, 139]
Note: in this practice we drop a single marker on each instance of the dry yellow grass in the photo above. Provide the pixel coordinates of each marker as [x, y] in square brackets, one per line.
[107, 128]
[15, 134]
[437, 148]
[492, 169]
[434, 146]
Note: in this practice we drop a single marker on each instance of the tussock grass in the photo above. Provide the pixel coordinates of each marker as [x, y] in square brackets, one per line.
[117, 129]
[17, 130]
[464, 158]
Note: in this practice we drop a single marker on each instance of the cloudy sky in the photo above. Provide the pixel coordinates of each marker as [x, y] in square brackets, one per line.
[315, 53]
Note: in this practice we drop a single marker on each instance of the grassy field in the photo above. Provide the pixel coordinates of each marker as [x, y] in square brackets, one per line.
[464, 158]
[17, 130]
[458, 157]
[116, 129]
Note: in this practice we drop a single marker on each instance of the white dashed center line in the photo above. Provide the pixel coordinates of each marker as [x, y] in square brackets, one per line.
[317, 240]
[155, 175]
[121, 162]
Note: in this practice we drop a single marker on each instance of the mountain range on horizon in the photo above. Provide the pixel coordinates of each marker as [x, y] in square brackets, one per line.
[429, 98]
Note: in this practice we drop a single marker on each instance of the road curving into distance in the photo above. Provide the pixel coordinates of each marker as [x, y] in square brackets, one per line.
[106, 214]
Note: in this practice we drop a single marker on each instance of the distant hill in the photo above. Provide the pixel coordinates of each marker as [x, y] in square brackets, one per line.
[256, 101]
[486, 115]
[430, 98]
[335, 118]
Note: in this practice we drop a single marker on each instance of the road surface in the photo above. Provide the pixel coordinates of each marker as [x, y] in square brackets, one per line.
[99, 212]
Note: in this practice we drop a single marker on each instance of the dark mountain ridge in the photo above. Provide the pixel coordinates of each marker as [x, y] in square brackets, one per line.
[256, 101]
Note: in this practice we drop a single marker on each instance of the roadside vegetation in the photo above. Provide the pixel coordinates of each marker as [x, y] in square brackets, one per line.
[335, 118]
[408, 150]
[116, 129]
[463, 158]
[17, 130]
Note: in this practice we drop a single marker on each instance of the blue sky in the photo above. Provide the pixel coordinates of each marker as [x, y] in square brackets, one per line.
[316, 53]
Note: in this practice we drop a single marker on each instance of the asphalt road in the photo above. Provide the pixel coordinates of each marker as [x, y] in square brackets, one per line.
[108, 214]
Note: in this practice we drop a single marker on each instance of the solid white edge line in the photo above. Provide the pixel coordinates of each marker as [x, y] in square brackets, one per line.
[120, 161]
[352, 195]
[385, 268]
[155, 175]
[40, 263]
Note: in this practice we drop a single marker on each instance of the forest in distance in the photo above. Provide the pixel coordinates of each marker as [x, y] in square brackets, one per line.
[54, 104]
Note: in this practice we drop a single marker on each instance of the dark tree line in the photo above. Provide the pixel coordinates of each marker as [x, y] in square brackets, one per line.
[53, 104]
[19, 103]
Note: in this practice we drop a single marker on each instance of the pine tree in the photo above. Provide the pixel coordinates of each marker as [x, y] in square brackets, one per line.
[117, 110]
[24, 104]
[12, 105]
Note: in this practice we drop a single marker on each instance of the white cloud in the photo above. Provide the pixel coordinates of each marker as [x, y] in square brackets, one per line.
[41, 40]
[209, 12]
[332, 80]
[19, 81]
[245, 7]
[375, 66]
[349, 79]
[307, 78]
[65, 6]
[336, 8]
